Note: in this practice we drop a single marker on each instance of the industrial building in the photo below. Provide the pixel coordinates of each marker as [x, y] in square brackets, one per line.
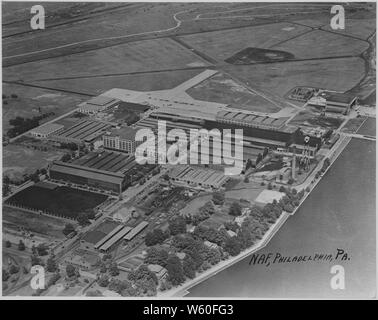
[122, 139]
[105, 237]
[339, 102]
[46, 130]
[102, 170]
[84, 131]
[97, 104]
[197, 177]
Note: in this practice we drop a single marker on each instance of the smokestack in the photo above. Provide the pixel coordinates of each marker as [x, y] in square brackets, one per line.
[293, 164]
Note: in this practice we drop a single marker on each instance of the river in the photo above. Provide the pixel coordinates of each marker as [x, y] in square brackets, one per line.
[339, 214]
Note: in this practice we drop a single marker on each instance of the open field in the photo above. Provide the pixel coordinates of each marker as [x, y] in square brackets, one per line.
[30, 99]
[361, 28]
[18, 160]
[62, 201]
[145, 55]
[319, 44]
[44, 225]
[221, 88]
[128, 19]
[280, 78]
[369, 127]
[148, 81]
[223, 44]
[353, 124]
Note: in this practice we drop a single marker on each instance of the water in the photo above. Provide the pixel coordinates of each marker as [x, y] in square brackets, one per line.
[340, 213]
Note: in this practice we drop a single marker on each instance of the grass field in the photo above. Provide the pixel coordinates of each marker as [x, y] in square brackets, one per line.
[44, 225]
[137, 56]
[29, 100]
[369, 127]
[223, 44]
[318, 44]
[61, 201]
[361, 28]
[353, 124]
[221, 88]
[18, 160]
[280, 78]
[140, 82]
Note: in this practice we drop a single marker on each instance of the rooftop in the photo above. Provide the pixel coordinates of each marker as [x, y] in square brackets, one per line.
[340, 97]
[126, 133]
[47, 128]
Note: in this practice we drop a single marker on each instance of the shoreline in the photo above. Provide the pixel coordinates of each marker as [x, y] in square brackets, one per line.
[183, 290]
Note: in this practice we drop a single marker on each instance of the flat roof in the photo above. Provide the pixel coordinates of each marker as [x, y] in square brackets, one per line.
[101, 100]
[47, 128]
[69, 168]
[115, 238]
[340, 97]
[136, 230]
[126, 133]
[106, 162]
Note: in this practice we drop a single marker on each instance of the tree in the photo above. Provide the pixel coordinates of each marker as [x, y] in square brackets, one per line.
[55, 277]
[113, 269]
[259, 158]
[265, 152]
[8, 244]
[83, 219]
[119, 285]
[6, 275]
[156, 256]
[103, 280]
[68, 228]
[282, 189]
[13, 269]
[51, 265]
[235, 209]
[71, 270]
[207, 208]
[232, 246]
[35, 260]
[21, 246]
[218, 198]
[213, 256]
[42, 249]
[66, 157]
[175, 271]
[177, 225]
[189, 267]
[246, 179]
[142, 273]
[270, 187]
[156, 236]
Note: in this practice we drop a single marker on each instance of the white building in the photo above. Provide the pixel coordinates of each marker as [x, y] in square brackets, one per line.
[45, 130]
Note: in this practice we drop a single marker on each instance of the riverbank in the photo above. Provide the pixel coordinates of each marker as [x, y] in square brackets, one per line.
[183, 289]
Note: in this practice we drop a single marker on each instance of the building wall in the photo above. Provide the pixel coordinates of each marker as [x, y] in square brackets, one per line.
[115, 143]
[84, 181]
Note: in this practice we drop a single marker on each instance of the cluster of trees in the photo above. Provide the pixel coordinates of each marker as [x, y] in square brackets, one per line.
[156, 236]
[203, 213]
[218, 198]
[21, 125]
[326, 164]
[68, 229]
[291, 199]
[144, 281]
[235, 209]
[177, 225]
[38, 252]
[156, 255]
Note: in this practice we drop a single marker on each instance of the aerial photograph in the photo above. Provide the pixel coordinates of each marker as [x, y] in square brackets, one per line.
[189, 150]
